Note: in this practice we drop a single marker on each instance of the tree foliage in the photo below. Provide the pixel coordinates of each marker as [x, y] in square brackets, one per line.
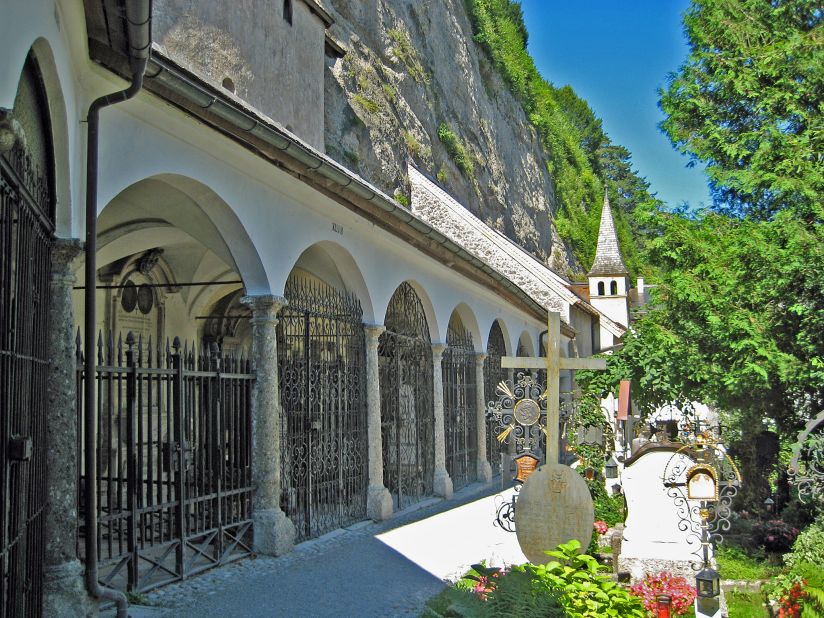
[748, 102]
[580, 156]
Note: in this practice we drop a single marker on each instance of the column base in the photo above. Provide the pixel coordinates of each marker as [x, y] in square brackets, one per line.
[378, 503]
[484, 471]
[64, 592]
[274, 533]
[442, 484]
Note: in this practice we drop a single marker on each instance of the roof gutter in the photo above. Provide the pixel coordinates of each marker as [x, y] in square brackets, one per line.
[138, 27]
[164, 76]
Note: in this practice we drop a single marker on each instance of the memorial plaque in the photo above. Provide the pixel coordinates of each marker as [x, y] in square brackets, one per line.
[525, 465]
[554, 506]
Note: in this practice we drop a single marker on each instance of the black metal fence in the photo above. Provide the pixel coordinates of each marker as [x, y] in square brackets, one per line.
[407, 413]
[321, 349]
[494, 375]
[25, 251]
[460, 420]
[174, 476]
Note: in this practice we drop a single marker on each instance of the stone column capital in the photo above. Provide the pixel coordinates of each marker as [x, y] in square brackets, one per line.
[63, 254]
[264, 307]
[437, 351]
[480, 357]
[373, 333]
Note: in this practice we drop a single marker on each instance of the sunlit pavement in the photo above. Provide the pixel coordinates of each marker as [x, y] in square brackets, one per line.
[448, 543]
[386, 569]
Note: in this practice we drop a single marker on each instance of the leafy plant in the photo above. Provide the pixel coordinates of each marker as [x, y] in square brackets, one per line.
[680, 591]
[365, 103]
[456, 149]
[808, 547]
[586, 593]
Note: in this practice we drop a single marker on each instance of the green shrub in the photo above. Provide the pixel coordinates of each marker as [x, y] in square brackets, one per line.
[808, 547]
[456, 150]
[402, 199]
[734, 563]
[585, 592]
[571, 585]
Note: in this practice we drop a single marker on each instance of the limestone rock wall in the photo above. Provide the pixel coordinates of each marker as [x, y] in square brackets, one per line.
[412, 66]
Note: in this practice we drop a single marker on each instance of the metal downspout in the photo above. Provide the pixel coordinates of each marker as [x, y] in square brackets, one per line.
[138, 18]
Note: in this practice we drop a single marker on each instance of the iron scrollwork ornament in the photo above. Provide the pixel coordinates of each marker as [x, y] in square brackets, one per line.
[520, 413]
[704, 520]
[806, 471]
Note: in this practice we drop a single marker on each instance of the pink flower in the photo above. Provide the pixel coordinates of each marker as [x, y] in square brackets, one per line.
[600, 526]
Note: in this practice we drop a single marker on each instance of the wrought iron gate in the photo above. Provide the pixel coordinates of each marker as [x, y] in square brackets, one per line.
[174, 484]
[460, 421]
[26, 228]
[494, 375]
[321, 348]
[405, 362]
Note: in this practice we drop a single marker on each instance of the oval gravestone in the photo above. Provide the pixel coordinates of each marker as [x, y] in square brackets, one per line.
[553, 507]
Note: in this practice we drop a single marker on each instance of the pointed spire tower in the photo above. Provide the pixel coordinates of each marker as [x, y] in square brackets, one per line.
[609, 277]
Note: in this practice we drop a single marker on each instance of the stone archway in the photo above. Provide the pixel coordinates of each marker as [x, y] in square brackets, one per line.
[322, 366]
[405, 365]
[27, 224]
[459, 403]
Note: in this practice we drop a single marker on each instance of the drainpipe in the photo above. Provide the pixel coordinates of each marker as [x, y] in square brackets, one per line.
[138, 21]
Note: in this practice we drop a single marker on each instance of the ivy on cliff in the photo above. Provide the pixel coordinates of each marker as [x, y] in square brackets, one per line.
[579, 153]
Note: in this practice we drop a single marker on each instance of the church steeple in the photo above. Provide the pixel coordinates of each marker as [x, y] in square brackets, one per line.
[608, 259]
[609, 277]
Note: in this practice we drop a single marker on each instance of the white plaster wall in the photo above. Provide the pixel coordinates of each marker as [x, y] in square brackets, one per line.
[651, 531]
[268, 218]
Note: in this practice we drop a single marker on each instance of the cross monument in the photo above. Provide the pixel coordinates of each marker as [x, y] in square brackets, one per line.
[553, 363]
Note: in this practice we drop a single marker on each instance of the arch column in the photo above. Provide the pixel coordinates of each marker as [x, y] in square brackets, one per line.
[442, 482]
[274, 533]
[378, 498]
[484, 469]
[64, 590]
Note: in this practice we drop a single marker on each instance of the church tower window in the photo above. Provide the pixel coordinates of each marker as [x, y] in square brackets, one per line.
[287, 11]
[600, 288]
[613, 288]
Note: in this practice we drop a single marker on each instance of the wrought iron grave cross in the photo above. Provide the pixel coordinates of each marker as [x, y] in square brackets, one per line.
[553, 363]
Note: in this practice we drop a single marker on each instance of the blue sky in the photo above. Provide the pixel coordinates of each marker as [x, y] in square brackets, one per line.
[615, 55]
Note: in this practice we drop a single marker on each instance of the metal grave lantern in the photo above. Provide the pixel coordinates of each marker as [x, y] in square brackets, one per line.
[611, 468]
[708, 583]
[702, 483]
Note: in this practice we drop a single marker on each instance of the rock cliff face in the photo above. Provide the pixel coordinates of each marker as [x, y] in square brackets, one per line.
[412, 69]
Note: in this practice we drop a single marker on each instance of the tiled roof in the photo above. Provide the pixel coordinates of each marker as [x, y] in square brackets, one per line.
[608, 260]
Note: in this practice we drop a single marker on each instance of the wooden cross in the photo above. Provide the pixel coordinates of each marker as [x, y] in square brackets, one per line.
[553, 363]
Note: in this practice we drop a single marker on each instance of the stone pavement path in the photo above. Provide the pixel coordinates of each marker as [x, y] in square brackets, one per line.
[370, 569]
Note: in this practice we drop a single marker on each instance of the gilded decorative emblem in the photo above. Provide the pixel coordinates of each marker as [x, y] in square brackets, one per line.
[527, 412]
[520, 412]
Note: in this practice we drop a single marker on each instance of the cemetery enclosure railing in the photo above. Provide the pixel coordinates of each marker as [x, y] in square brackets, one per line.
[407, 413]
[174, 481]
[494, 374]
[460, 422]
[322, 362]
[25, 252]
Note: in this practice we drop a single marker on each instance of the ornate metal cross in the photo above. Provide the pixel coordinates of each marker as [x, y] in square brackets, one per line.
[553, 363]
